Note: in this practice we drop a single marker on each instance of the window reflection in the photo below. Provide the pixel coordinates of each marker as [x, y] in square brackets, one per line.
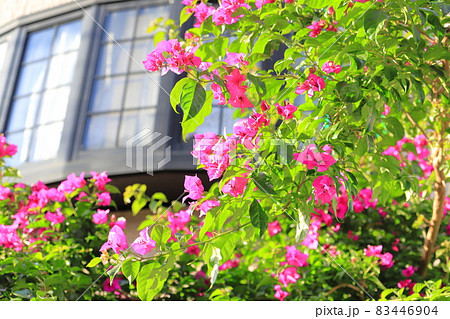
[40, 100]
[124, 97]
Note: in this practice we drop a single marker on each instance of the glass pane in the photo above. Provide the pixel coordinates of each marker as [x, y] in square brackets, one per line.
[101, 131]
[211, 123]
[38, 45]
[107, 94]
[61, 69]
[120, 25]
[67, 37]
[23, 113]
[135, 121]
[54, 105]
[46, 141]
[140, 50]
[31, 78]
[3, 47]
[147, 15]
[22, 140]
[227, 120]
[113, 59]
[142, 90]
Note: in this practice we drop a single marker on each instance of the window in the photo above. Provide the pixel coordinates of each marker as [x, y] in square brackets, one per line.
[41, 95]
[124, 96]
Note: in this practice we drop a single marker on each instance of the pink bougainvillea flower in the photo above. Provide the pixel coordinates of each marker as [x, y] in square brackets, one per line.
[265, 106]
[386, 260]
[316, 28]
[409, 271]
[100, 217]
[232, 263]
[288, 276]
[387, 110]
[117, 240]
[245, 130]
[104, 199]
[207, 205]
[235, 186]
[178, 221]
[330, 67]
[217, 94]
[5, 193]
[169, 55]
[202, 12]
[121, 222]
[143, 244]
[287, 111]
[260, 3]
[274, 228]
[324, 189]
[373, 250]
[72, 183]
[100, 180]
[235, 59]
[225, 12]
[311, 85]
[113, 286]
[404, 283]
[234, 84]
[6, 149]
[280, 294]
[55, 218]
[193, 185]
[313, 159]
[261, 119]
[312, 238]
[295, 257]
[9, 238]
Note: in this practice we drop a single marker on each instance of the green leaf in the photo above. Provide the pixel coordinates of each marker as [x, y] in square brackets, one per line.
[137, 205]
[262, 181]
[373, 19]
[258, 217]
[390, 72]
[175, 94]
[302, 226]
[349, 92]
[130, 269]
[160, 234]
[434, 21]
[159, 36]
[395, 127]
[196, 104]
[419, 90]
[184, 16]
[94, 262]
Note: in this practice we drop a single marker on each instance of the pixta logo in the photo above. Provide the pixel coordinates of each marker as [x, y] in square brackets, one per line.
[148, 151]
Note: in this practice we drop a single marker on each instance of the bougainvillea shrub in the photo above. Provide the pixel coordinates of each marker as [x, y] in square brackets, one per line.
[331, 184]
[49, 235]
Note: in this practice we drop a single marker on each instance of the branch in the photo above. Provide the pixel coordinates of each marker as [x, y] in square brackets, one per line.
[342, 285]
[415, 123]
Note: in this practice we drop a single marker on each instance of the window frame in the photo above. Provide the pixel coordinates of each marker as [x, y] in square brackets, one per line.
[70, 156]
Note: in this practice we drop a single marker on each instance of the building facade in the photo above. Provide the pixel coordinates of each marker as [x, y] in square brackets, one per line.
[74, 93]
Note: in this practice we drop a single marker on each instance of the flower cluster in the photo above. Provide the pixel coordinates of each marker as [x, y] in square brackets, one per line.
[313, 84]
[289, 275]
[421, 155]
[317, 27]
[385, 259]
[169, 55]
